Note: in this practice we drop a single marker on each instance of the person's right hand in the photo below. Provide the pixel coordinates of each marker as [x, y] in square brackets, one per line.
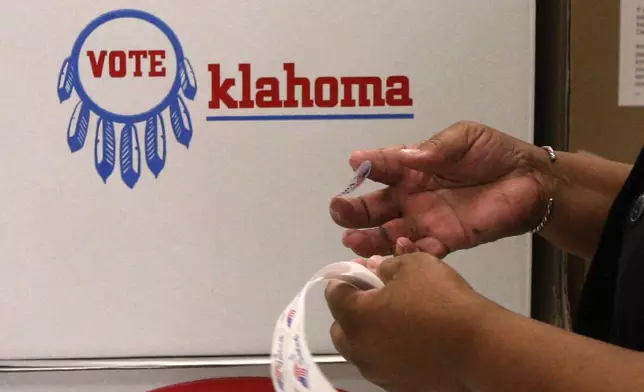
[468, 185]
[411, 334]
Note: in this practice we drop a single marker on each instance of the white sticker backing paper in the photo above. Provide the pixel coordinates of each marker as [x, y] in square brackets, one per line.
[292, 365]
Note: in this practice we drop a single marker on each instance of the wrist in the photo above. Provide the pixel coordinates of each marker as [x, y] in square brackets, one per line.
[466, 330]
[544, 166]
[583, 188]
[480, 341]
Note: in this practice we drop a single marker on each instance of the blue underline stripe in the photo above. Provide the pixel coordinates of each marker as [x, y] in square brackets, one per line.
[300, 117]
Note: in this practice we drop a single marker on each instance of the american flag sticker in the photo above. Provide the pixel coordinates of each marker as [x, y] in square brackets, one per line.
[290, 317]
[301, 374]
[279, 376]
[361, 174]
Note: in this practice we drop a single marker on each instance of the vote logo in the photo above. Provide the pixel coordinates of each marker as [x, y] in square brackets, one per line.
[131, 77]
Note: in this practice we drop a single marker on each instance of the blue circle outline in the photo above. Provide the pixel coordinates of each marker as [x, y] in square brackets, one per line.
[75, 58]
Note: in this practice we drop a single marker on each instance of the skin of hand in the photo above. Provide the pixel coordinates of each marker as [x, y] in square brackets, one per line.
[427, 330]
[397, 336]
[468, 185]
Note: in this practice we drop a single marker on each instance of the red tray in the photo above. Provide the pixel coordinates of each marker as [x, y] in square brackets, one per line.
[239, 384]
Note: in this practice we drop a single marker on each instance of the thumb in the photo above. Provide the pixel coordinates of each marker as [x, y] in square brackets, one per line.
[388, 269]
[448, 146]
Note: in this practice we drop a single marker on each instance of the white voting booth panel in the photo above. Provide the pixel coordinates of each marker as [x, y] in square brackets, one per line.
[166, 166]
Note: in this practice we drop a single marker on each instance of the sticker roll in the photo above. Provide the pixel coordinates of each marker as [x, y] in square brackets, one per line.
[292, 364]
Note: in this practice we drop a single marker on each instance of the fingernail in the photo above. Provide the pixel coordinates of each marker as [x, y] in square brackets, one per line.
[347, 235]
[334, 214]
[337, 208]
[374, 261]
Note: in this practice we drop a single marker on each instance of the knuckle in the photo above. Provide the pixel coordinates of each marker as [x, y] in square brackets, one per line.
[424, 257]
[388, 269]
[415, 227]
[469, 130]
[336, 333]
[411, 263]
[382, 159]
[466, 124]
[408, 258]
[389, 265]
[362, 209]
[408, 262]
[388, 232]
[435, 143]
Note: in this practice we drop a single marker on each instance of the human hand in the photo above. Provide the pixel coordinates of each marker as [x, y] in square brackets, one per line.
[466, 186]
[403, 337]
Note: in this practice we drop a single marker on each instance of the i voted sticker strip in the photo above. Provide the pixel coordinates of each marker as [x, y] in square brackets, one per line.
[292, 365]
[361, 174]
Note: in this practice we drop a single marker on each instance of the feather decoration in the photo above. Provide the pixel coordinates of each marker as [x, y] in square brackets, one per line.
[105, 146]
[188, 80]
[65, 81]
[130, 161]
[155, 135]
[181, 123]
[77, 128]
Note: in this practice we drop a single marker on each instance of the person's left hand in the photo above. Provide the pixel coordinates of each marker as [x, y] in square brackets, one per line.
[403, 337]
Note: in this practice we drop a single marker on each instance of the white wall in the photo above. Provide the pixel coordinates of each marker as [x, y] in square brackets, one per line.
[201, 260]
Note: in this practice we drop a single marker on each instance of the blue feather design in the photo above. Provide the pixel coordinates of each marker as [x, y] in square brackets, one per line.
[181, 123]
[188, 80]
[130, 155]
[77, 128]
[106, 145]
[155, 129]
[65, 81]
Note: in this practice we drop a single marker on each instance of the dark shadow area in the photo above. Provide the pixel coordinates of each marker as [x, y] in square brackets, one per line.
[549, 277]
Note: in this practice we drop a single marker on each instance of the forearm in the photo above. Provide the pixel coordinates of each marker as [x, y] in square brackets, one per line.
[583, 187]
[513, 353]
